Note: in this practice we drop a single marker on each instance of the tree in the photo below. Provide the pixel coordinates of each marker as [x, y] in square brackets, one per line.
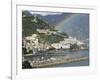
[24, 51]
[74, 46]
[26, 65]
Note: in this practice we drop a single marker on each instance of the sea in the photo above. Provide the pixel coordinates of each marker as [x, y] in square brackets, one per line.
[84, 53]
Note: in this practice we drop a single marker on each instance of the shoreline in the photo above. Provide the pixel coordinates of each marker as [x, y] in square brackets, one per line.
[58, 62]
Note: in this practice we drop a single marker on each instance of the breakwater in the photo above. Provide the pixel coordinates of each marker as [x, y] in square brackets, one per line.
[56, 62]
[58, 58]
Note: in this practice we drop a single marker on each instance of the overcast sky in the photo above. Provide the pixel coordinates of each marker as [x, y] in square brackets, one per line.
[45, 13]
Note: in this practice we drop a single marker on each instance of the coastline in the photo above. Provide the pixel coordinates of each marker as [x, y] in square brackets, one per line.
[56, 62]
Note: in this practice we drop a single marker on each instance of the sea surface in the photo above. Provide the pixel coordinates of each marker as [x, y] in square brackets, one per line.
[84, 53]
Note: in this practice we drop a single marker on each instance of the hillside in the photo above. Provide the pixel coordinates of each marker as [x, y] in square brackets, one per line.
[31, 22]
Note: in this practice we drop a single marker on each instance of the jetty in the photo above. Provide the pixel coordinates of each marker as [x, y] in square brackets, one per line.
[51, 63]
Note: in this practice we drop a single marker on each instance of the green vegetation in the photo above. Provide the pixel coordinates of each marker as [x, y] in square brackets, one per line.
[24, 51]
[74, 47]
[30, 24]
[26, 65]
[64, 34]
[53, 38]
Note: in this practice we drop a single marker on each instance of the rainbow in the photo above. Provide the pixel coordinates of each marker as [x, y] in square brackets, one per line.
[67, 18]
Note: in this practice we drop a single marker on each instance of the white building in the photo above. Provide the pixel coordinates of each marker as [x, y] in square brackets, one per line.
[60, 45]
[80, 43]
[70, 40]
[31, 42]
[45, 31]
[56, 45]
[65, 46]
[66, 43]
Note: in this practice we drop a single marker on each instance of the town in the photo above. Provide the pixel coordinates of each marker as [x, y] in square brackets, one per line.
[39, 53]
[45, 46]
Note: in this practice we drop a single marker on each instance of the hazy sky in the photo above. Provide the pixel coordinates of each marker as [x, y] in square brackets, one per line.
[45, 13]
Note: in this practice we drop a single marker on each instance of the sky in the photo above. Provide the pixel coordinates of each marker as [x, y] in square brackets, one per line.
[45, 13]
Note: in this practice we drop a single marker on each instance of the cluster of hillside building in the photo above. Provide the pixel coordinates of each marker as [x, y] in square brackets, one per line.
[32, 42]
[66, 43]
